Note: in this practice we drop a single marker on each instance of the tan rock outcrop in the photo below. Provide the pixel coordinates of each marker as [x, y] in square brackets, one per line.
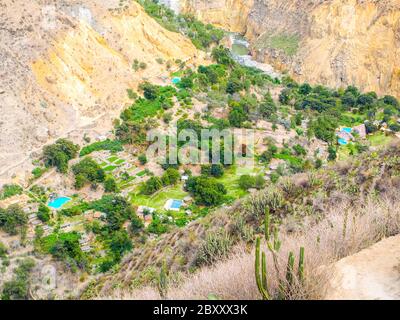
[65, 67]
[334, 42]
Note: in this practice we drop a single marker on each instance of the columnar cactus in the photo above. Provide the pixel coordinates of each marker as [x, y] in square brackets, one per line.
[163, 281]
[261, 272]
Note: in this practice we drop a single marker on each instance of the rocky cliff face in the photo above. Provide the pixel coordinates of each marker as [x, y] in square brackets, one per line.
[65, 67]
[334, 42]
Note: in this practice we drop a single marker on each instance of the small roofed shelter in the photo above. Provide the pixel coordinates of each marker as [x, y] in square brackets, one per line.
[361, 130]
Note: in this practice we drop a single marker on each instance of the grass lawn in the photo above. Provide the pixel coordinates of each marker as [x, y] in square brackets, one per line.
[119, 161]
[231, 178]
[110, 168]
[159, 199]
[141, 173]
[379, 139]
[344, 151]
[112, 159]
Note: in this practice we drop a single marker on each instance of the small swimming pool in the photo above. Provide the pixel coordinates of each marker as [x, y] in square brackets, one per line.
[176, 204]
[176, 80]
[342, 141]
[59, 202]
[348, 130]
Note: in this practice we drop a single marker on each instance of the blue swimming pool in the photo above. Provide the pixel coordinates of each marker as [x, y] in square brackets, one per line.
[59, 202]
[348, 130]
[176, 204]
[342, 142]
[176, 80]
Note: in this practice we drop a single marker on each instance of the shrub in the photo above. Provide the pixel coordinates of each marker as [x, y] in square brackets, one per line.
[142, 159]
[18, 287]
[13, 219]
[110, 185]
[10, 190]
[111, 145]
[43, 213]
[217, 245]
[246, 182]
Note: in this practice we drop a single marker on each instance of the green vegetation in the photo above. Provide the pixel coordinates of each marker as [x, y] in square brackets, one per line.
[18, 287]
[58, 154]
[206, 191]
[87, 171]
[202, 36]
[43, 213]
[111, 145]
[64, 247]
[13, 220]
[159, 199]
[247, 182]
[38, 172]
[10, 190]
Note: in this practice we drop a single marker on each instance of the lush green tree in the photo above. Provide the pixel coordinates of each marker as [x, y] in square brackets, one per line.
[43, 213]
[151, 186]
[120, 243]
[237, 115]
[299, 150]
[234, 85]
[150, 91]
[349, 100]
[87, 170]
[170, 177]
[332, 153]
[305, 89]
[392, 101]
[13, 219]
[324, 128]
[206, 191]
[59, 153]
[222, 56]
[215, 170]
[110, 185]
[395, 127]
[365, 99]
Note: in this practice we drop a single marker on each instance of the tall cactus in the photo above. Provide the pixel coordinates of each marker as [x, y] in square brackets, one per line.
[163, 281]
[261, 272]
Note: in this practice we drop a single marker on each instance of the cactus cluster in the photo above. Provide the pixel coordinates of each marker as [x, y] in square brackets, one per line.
[261, 271]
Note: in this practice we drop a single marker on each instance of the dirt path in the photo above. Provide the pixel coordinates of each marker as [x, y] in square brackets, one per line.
[372, 274]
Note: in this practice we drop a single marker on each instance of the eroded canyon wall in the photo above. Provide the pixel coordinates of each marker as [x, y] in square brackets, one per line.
[334, 42]
[65, 67]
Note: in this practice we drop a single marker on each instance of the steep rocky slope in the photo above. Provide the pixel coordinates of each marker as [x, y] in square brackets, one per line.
[335, 42]
[334, 213]
[65, 67]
